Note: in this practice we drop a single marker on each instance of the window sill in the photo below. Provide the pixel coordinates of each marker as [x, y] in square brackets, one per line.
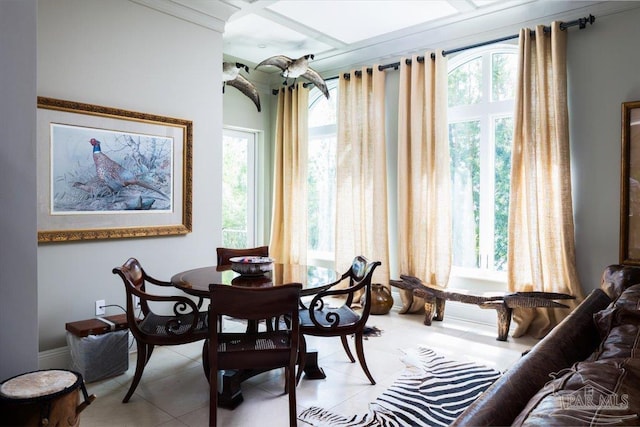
[320, 259]
[477, 279]
[479, 274]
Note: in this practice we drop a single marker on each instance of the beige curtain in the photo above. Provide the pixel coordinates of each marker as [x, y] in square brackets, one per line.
[424, 177]
[289, 220]
[541, 240]
[361, 196]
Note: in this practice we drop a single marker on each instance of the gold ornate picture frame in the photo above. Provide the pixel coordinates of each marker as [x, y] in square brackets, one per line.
[630, 185]
[107, 173]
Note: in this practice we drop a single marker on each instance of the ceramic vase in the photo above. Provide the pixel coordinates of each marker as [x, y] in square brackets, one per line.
[381, 299]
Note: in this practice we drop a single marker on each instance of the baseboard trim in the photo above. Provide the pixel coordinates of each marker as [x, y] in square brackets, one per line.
[57, 358]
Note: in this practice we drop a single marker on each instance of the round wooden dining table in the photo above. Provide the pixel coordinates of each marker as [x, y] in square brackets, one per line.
[196, 282]
[313, 279]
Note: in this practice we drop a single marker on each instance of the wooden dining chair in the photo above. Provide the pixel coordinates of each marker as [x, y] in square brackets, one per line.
[323, 320]
[224, 254]
[258, 350]
[150, 329]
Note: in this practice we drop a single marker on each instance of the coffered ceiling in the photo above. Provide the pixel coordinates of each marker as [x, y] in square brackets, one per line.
[345, 33]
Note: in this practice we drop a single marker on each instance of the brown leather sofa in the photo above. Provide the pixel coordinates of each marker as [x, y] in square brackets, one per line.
[586, 371]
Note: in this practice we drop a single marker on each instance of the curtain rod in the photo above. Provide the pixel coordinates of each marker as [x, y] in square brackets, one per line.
[580, 22]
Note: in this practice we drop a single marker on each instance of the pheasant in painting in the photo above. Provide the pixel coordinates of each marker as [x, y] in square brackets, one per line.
[113, 175]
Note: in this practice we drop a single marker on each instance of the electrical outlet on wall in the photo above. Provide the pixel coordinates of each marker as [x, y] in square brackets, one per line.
[136, 302]
[100, 310]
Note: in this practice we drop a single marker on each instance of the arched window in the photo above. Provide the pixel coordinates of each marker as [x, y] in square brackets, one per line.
[321, 174]
[480, 115]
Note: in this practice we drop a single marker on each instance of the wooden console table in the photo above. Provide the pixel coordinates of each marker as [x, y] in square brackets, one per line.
[435, 298]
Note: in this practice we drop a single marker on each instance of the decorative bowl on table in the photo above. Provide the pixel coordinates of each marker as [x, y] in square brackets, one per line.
[251, 265]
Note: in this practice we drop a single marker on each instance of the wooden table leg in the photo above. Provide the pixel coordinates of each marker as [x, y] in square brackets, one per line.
[312, 371]
[231, 395]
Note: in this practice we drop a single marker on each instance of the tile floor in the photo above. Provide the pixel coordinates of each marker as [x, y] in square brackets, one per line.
[174, 391]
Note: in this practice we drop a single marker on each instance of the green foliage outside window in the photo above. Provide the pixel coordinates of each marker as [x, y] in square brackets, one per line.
[321, 171]
[464, 143]
[321, 178]
[481, 158]
[465, 83]
[234, 192]
[502, 162]
[503, 69]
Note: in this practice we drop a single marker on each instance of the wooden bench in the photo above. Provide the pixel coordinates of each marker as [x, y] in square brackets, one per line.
[504, 303]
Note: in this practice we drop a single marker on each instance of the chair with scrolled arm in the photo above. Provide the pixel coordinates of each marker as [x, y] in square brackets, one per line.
[183, 325]
[320, 319]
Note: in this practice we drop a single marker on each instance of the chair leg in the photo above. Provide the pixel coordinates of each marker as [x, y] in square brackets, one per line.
[141, 361]
[213, 398]
[360, 352]
[252, 326]
[150, 348]
[345, 344]
[302, 357]
[291, 378]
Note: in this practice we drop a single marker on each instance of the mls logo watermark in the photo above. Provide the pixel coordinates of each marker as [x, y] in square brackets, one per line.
[592, 404]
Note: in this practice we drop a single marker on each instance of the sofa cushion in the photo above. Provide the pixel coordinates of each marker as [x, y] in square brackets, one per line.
[629, 299]
[588, 393]
[620, 329]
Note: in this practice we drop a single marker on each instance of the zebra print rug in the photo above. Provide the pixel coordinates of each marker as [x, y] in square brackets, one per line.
[432, 391]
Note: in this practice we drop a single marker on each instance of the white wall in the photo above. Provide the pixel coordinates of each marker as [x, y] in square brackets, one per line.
[603, 66]
[18, 251]
[120, 54]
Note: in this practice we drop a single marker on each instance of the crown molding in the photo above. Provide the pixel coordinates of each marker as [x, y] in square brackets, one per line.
[210, 14]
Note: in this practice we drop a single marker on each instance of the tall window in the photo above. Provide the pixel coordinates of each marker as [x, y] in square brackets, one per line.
[321, 174]
[480, 115]
[238, 188]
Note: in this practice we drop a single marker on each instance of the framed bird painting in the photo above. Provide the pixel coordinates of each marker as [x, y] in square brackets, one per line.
[107, 173]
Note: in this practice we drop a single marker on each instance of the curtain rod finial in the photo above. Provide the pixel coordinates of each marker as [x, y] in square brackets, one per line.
[582, 22]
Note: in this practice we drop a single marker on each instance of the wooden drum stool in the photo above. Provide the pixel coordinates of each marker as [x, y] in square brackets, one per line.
[43, 398]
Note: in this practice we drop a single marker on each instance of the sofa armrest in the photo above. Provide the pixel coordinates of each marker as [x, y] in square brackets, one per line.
[572, 340]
